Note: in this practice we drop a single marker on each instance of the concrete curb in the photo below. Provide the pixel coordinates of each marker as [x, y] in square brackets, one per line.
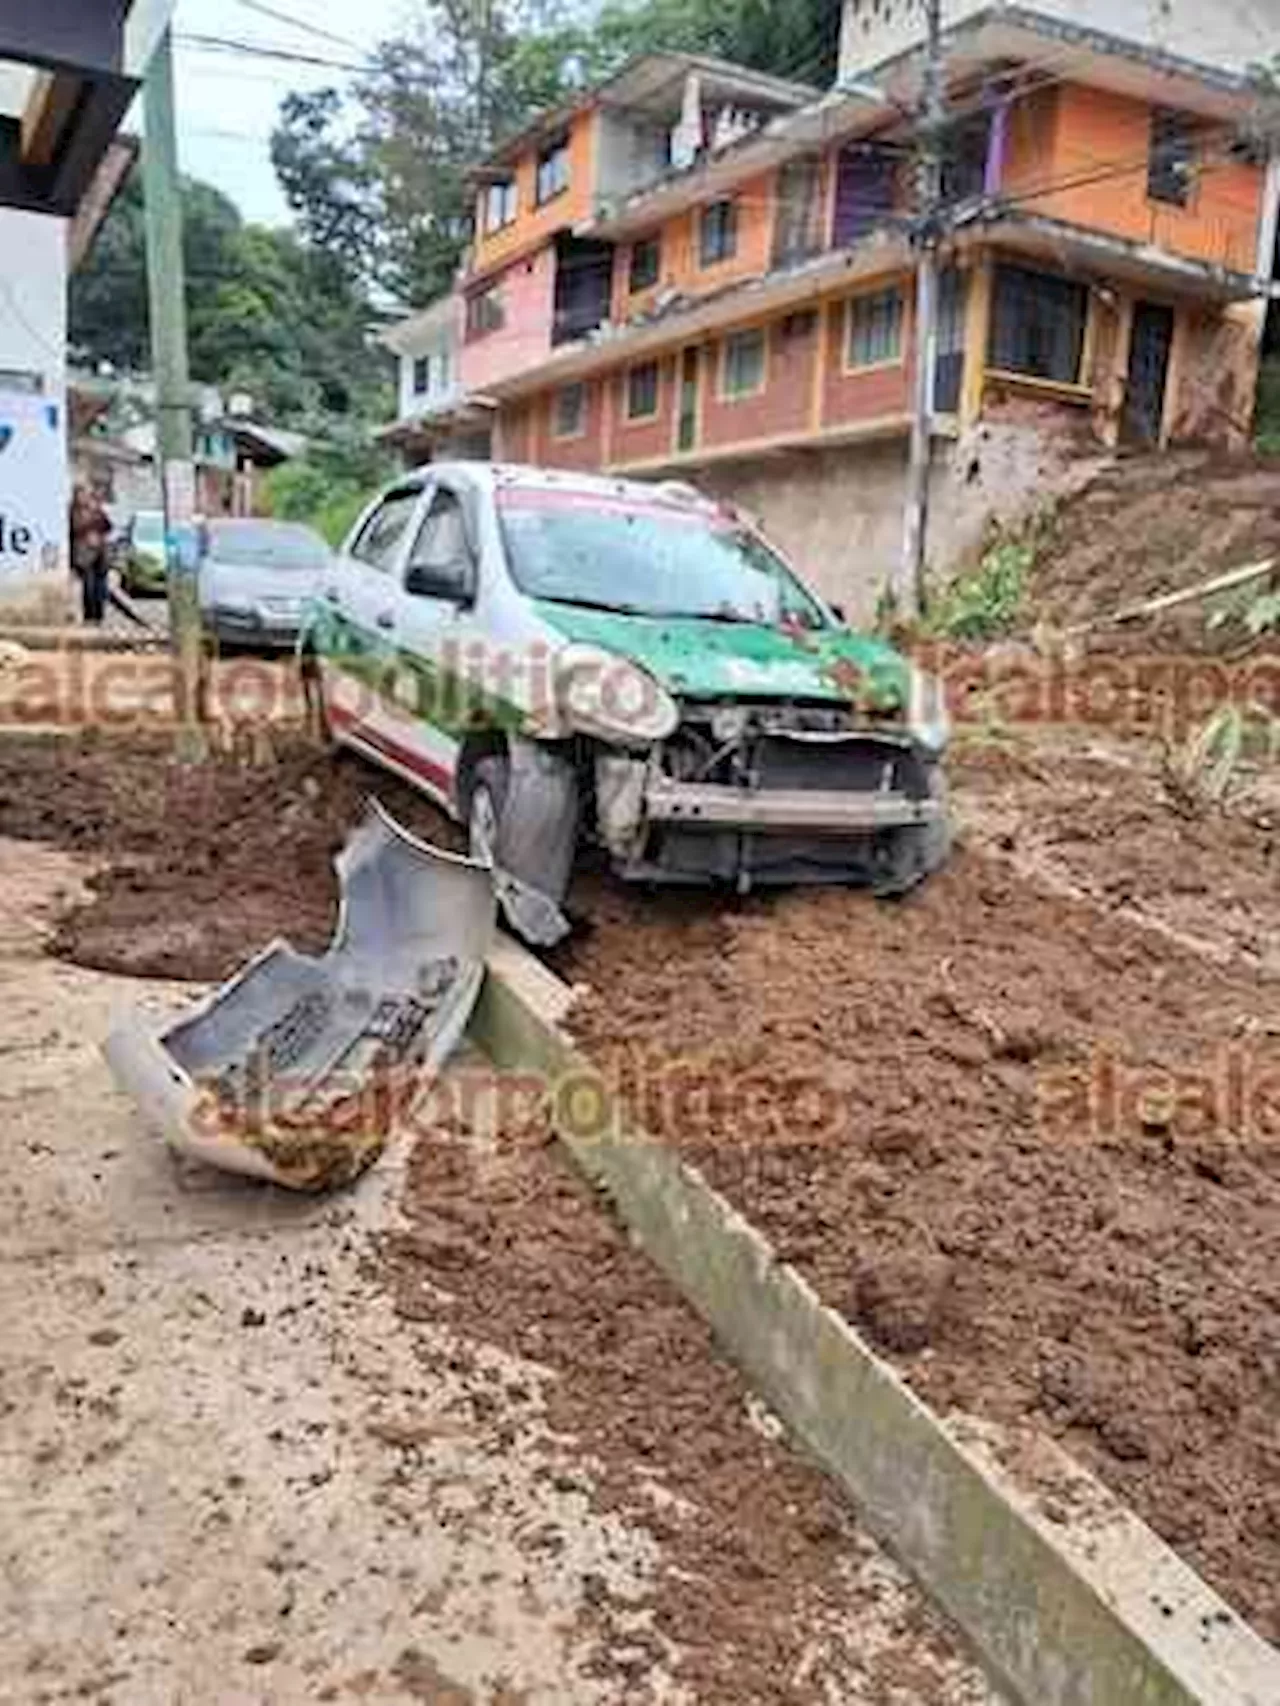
[1070, 1601]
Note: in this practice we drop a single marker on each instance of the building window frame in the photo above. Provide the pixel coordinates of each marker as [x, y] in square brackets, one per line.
[874, 329]
[1171, 157]
[551, 170]
[717, 232]
[1046, 296]
[485, 313]
[421, 375]
[732, 348]
[501, 205]
[571, 423]
[644, 276]
[643, 392]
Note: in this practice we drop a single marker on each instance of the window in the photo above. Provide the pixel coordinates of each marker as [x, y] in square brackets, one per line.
[964, 166]
[743, 371]
[1172, 159]
[379, 539]
[797, 230]
[441, 551]
[570, 411]
[1037, 325]
[718, 232]
[484, 312]
[873, 329]
[422, 375]
[646, 264]
[642, 392]
[553, 169]
[500, 204]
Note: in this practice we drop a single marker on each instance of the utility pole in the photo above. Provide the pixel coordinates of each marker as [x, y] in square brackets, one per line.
[911, 592]
[166, 286]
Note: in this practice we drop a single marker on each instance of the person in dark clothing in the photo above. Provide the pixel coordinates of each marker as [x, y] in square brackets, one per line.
[90, 531]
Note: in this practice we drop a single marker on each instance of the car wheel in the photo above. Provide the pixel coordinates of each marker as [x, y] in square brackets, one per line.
[486, 798]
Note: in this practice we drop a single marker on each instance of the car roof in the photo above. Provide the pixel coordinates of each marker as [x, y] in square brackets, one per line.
[508, 476]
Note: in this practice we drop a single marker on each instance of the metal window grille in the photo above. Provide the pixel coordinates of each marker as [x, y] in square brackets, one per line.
[875, 329]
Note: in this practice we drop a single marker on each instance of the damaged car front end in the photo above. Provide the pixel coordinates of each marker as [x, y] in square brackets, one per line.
[792, 792]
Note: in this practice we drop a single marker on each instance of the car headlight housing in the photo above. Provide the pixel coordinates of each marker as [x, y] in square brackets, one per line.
[928, 720]
[602, 694]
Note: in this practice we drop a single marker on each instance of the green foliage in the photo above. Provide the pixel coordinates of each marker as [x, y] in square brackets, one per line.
[1203, 773]
[987, 600]
[267, 312]
[330, 487]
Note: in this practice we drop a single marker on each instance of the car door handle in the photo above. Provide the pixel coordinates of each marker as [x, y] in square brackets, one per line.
[385, 619]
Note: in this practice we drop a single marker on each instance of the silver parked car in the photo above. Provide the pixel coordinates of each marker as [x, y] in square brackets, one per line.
[256, 577]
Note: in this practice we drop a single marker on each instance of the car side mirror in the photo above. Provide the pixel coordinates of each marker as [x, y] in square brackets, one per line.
[453, 581]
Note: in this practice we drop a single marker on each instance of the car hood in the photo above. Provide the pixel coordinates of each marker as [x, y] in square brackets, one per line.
[701, 658]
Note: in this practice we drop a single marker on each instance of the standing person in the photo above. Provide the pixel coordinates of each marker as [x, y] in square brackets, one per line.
[90, 531]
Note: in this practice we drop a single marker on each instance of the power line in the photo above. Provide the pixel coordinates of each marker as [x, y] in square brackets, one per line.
[298, 23]
[263, 50]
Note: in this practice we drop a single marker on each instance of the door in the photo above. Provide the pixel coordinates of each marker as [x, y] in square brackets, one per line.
[687, 422]
[442, 684]
[948, 373]
[1148, 372]
[363, 592]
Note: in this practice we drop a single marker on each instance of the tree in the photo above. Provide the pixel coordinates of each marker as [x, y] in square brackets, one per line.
[268, 312]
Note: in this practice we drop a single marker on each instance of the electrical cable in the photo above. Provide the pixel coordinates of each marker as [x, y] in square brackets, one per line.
[298, 24]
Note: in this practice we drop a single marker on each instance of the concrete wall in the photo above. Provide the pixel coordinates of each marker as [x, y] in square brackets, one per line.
[1214, 376]
[1229, 33]
[838, 514]
[33, 453]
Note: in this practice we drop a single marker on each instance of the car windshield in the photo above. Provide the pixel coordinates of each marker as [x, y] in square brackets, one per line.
[647, 559]
[266, 545]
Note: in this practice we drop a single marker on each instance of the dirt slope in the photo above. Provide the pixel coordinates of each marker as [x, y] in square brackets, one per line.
[1151, 525]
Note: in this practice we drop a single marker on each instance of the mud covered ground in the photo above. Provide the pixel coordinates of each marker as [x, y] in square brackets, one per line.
[1001, 1131]
[201, 866]
[1024, 1129]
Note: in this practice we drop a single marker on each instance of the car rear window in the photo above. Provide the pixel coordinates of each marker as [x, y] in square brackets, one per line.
[276, 545]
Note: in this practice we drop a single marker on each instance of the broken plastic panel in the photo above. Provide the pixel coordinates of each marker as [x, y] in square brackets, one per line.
[297, 1069]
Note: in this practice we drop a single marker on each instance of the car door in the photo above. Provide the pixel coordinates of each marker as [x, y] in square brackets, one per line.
[435, 697]
[362, 596]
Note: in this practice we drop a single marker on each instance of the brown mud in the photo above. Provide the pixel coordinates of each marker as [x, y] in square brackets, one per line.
[1030, 1144]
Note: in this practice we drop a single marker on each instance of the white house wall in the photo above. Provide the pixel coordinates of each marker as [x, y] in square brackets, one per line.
[1229, 34]
[33, 455]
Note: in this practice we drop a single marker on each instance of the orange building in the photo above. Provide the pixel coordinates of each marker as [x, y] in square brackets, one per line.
[670, 279]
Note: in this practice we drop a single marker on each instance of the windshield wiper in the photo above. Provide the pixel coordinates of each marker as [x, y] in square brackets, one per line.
[595, 604]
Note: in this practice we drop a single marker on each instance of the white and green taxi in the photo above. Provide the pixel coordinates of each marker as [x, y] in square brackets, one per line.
[559, 658]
